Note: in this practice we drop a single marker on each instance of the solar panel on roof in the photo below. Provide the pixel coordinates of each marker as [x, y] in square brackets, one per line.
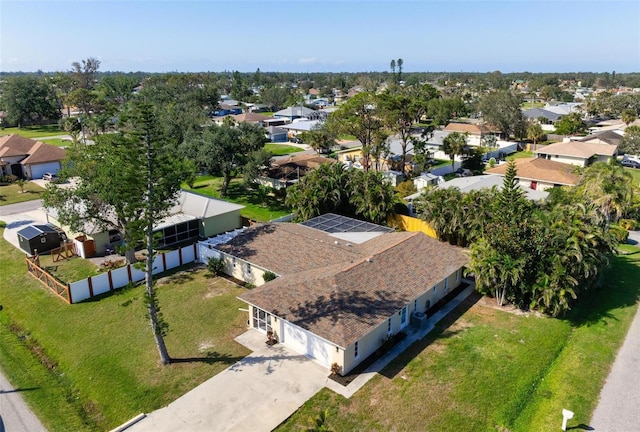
[333, 223]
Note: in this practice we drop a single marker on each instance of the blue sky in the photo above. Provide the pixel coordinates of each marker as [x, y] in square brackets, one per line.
[318, 36]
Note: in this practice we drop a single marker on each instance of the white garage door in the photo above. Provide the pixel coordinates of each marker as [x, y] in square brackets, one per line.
[307, 343]
[38, 170]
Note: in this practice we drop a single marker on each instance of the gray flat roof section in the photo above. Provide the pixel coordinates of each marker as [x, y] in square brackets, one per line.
[333, 223]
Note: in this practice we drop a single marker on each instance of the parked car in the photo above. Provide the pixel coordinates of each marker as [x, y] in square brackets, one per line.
[630, 163]
[50, 176]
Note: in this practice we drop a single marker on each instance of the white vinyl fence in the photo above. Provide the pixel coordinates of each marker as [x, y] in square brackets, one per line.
[114, 279]
[206, 247]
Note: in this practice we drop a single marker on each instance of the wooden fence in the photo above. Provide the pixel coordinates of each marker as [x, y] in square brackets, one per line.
[60, 289]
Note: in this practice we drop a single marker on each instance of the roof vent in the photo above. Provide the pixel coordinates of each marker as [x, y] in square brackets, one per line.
[369, 259]
[349, 244]
[336, 242]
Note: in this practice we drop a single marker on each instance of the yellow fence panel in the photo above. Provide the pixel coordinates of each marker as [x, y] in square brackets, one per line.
[408, 223]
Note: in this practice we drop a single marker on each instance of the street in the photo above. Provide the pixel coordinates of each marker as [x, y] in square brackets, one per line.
[15, 415]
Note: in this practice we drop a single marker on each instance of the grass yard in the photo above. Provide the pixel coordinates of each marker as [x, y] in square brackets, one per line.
[95, 363]
[69, 270]
[259, 207]
[281, 149]
[58, 142]
[529, 105]
[492, 370]
[520, 155]
[34, 131]
[11, 194]
[635, 173]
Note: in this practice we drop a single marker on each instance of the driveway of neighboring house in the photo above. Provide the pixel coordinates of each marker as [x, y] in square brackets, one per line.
[18, 216]
[255, 394]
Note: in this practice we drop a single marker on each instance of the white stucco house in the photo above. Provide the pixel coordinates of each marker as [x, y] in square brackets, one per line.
[342, 286]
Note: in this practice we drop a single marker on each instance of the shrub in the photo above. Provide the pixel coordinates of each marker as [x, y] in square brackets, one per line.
[215, 266]
[269, 276]
[3, 224]
[620, 233]
[628, 224]
[492, 162]
[335, 369]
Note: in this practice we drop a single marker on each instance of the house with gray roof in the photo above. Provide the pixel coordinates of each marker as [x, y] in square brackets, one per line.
[342, 286]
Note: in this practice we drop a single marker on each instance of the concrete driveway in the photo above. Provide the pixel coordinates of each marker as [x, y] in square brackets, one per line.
[255, 394]
[18, 216]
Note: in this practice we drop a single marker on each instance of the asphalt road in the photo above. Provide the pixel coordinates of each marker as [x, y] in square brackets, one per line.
[15, 415]
[22, 207]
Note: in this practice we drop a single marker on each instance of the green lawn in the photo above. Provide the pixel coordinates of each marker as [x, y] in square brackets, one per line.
[635, 173]
[259, 208]
[94, 365]
[34, 131]
[11, 194]
[520, 155]
[281, 149]
[58, 142]
[529, 105]
[492, 370]
[69, 270]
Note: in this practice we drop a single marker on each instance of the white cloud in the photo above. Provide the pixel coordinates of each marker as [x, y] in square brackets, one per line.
[309, 60]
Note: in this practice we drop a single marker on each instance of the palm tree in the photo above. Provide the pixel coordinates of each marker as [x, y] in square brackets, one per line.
[628, 116]
[608, 186]
[371, 195]
[453, 145]
[535, 133]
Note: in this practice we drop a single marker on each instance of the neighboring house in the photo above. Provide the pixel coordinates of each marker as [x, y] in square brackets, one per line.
[539, 173]
[253, 118]
[298, 127]
[479, 182]
[534, 114]
[293, 113]
[580, 153]
[27, 158]
[563, 108]
[194, 216]
[225, 109]
[286, 172]
[427, 179]
[344, 286]
[610, 137]
[276, 134]
[475, 131]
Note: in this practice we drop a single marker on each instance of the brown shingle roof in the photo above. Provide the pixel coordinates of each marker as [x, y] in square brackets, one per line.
[350, 289]
[474, 129]
[35, 151]
[250, 117]
[540, 169]
[579, 149]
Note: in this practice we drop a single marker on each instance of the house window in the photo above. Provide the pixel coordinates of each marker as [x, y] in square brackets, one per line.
[427, 305]
[233, 262]
[415, 305]
[261, 319]
[389, 325]
[435, 289]
[446, 285]
[248, 268]
[355, 350]
[458, 275]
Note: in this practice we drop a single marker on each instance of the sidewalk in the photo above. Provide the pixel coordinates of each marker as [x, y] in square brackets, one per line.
[619, 407]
